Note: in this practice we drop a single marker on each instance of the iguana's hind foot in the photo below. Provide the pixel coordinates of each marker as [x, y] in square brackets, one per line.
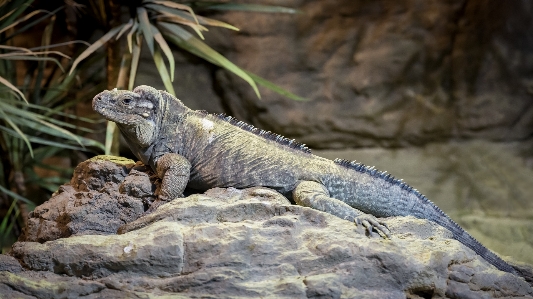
[315, 195]
[154, 206]
[372, 225]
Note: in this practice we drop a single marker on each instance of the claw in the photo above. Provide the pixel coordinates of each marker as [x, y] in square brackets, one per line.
[372, 226]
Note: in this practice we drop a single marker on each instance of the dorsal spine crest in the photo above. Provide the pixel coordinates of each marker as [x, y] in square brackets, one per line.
[291, 143]
[372, 171]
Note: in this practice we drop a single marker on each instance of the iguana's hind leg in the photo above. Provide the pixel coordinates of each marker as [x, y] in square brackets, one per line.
[315, 195]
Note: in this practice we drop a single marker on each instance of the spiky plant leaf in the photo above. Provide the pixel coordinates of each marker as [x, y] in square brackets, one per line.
[124, 29]
[278, 89]
[13, 88]
[145, 27]
[163, 72]
[134, 63]
[253, 7]
[164, 46]
[100, 42]
[130, 34]
[171, 4]
[188, 42]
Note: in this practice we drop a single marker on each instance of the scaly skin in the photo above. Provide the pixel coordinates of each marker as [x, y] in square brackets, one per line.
[195, 149]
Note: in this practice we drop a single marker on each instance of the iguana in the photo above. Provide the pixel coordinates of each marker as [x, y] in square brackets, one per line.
[201, 151]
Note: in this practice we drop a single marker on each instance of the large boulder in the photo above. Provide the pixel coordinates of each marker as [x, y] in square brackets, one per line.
[229, 243]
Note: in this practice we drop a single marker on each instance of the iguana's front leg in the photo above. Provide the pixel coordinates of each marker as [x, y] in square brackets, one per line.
[174, 171]
[316, 196]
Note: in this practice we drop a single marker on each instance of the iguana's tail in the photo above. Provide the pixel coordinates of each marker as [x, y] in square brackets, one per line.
[465, 238]
[409, 201]
[438, 216]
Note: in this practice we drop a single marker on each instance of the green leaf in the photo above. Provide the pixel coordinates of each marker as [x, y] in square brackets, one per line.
[134, 63]
[44, 152]
[145, 27]
[40, 123]
[50, 186]
[148, 34]
[32, 24]
[18, 8]
[123, 72]
[13, 88]
[59, 45]
[95, 46]
[22, 56]
[163, 72]
[34, 122]
[54, 94]
[52, 111]
[265, 83]
[179, 20]
[187, 41]
[177, 6]
[27, 52]
[17, 132]
[253, 7]
[15, 48]
[43, 141]
[164, 46]
[126, 27]
[15, 23]
[109, 132]
[216, 23]
[4, 228]
[130, 34]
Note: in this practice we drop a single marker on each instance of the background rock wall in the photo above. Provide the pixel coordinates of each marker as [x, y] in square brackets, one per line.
[411, 74]
[377, 73]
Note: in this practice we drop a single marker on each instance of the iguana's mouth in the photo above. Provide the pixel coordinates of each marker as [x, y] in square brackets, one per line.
[101, 103]
[98, 104]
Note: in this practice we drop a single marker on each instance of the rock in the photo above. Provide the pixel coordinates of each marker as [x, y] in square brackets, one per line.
[9, 263]
[377, 73]
[229, 243]
[155, 250]
[98, 200]
[47, 285]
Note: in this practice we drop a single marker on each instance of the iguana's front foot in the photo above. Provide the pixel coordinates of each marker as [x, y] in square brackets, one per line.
[174, 171]
[315, 195]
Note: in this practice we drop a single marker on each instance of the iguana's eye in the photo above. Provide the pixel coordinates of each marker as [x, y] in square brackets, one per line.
[127, 101]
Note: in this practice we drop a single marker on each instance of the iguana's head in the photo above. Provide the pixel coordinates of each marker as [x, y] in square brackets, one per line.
[137, 113]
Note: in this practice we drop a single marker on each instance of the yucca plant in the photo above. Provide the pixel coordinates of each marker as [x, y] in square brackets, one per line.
[33, 123]
[160, 22]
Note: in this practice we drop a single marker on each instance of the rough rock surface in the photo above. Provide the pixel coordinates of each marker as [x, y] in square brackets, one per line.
[104, 193]
[230, 243]
[378, 73]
